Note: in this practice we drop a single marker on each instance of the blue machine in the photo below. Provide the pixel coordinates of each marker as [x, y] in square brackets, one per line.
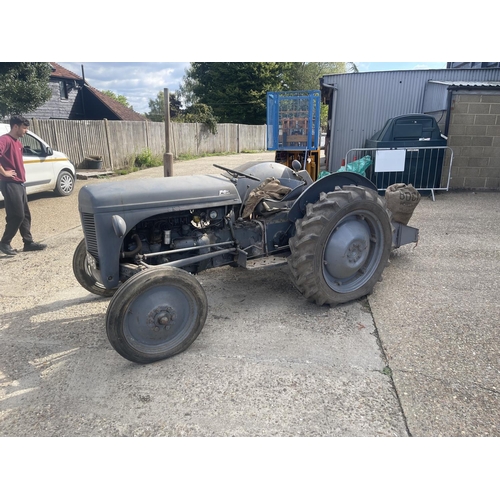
[293, 128]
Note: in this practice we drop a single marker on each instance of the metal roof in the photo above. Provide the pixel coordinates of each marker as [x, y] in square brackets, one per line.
[467, 84]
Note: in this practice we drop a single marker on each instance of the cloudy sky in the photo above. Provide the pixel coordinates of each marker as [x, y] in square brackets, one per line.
[141, 81]
[138, 82]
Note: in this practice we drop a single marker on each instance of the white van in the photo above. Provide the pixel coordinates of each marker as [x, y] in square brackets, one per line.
[46, 170]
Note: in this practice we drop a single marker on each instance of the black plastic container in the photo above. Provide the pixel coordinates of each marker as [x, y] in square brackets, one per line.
[93, 162]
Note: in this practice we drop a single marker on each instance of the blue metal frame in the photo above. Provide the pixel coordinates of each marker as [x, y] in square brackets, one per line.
[302, 106]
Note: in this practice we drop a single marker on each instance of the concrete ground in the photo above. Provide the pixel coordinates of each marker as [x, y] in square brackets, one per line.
[437, 314]
[419, 357]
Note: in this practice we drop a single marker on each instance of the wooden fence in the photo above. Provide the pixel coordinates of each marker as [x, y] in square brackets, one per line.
[118, 142]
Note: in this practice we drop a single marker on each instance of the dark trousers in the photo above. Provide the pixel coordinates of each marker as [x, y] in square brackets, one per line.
[18, 215]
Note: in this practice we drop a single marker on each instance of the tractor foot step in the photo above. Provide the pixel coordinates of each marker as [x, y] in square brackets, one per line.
[266, 262]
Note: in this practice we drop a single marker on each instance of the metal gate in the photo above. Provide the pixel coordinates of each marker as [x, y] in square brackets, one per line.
[426, 169]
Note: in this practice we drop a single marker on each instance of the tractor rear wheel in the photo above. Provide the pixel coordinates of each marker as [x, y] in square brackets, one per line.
[156, 314]
[341, 245]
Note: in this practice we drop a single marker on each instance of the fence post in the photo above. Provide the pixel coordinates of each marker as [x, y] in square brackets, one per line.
[197, 135]
[172, 138]
[168, 160]
[108, 143]
[35, 127]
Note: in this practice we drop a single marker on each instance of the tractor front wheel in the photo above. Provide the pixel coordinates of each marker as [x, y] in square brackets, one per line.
[156, 314]
[84, 275]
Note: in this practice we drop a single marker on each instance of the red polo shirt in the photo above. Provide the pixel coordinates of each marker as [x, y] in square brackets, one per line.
[11, 158]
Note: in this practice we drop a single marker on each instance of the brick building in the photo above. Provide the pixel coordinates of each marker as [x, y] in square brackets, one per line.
[474, 136]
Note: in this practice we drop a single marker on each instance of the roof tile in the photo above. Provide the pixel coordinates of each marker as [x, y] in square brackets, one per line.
[60, 72]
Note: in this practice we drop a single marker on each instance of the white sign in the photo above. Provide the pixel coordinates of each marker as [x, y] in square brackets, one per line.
[390, 161]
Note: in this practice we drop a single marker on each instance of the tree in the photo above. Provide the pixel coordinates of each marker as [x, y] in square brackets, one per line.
[24, 87]
[120, 98]
[236, 92]
[157, 107]
[200, 113]
[306, 75]
[352, 68]
[195, 113]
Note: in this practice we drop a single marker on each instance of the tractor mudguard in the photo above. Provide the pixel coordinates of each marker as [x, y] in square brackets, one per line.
[325, 185]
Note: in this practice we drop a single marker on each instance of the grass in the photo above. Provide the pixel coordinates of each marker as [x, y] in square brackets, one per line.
[125, 171]
[188, 156]
[140, 161]
[146, 159]
[387, 371]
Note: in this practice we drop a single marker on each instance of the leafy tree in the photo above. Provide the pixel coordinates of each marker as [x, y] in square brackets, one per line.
[120, 98]
[24, 87]
[200, 113]
[235, 91]
[306, 75]
[195, 113]
[157, 107]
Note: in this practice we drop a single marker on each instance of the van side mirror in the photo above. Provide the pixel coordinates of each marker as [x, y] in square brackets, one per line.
[48, 151]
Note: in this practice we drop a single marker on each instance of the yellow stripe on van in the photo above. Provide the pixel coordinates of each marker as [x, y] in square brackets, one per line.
[45, 160]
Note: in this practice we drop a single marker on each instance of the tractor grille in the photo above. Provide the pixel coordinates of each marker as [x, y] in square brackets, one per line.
[90, 235]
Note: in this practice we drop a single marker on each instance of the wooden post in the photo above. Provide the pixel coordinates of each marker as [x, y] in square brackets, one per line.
[168, 158]
[108, 143]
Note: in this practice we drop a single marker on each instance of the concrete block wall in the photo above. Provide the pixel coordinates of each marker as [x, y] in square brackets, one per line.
[474, 136]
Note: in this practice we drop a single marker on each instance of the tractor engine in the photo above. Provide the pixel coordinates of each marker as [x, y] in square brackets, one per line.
[171, 237]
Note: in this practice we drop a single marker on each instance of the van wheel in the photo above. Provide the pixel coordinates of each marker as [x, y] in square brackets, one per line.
[65, 183]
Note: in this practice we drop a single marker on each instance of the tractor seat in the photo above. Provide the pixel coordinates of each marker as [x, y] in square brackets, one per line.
[272, 195]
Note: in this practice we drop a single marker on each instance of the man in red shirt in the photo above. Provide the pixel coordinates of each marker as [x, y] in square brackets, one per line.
[12, 179]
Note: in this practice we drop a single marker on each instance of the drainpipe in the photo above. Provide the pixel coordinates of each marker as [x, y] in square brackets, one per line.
[448, 112]
[331, 115]
[83, 91]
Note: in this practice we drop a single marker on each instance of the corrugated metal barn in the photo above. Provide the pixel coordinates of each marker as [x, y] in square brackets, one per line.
[361, 103]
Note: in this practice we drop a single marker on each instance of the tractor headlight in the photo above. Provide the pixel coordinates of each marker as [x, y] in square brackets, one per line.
[119, 226]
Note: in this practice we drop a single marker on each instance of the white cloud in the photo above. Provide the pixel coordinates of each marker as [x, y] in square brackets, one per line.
[137, 81]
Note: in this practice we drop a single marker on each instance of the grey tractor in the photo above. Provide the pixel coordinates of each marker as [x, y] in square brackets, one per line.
[146, 239]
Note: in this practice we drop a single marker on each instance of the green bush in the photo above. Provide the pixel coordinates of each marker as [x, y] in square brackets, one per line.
[146, 159]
